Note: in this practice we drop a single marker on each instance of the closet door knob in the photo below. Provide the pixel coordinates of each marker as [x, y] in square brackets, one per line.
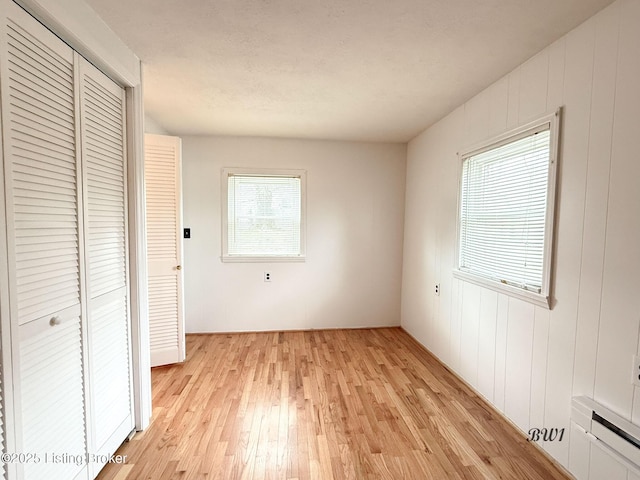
[55, 321]
[178, 267]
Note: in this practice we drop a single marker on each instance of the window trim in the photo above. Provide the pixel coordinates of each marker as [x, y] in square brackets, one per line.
[262, 172]
[544, 298]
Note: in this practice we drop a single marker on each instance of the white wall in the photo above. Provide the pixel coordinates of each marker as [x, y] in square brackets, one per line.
[355, 210]
[151, 126]
[529, 361]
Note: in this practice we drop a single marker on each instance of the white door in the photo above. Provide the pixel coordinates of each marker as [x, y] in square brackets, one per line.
[64, 295]
[43, 234]
[102, 119]
[162, 167]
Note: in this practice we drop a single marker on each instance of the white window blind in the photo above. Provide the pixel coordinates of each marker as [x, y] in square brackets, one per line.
[503, 211]
[264, 215]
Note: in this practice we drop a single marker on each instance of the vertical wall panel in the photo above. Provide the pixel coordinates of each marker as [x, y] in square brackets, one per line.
[502, 324]
[498, 105]
[635, 407]
[476, 114]
[621, 279]
[513, 106]
[416, 310]
[469, 330]
[596, 201]
[457, 297]
[434, 315]
[555, 82]
[518, 362]
[449, 131]
[539, 367]
[575, 143]
[430, 255]
[487, 343]
[533, 87]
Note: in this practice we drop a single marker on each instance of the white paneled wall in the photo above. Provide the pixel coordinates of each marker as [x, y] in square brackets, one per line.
[526, 360]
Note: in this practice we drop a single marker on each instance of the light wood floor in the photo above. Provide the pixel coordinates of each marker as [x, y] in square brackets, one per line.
[339, 404]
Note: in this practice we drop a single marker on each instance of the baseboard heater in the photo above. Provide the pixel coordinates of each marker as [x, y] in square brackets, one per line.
[618, 434]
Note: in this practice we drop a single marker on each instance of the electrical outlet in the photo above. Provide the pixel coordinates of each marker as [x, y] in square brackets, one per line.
[437, 291]
[636, 371]
[267, 276]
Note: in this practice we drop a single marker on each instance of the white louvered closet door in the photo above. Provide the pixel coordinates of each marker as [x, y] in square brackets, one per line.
[43, 245]
[105, 223]
[164, 248]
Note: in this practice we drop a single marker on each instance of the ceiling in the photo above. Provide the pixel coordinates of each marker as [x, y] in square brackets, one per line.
[370, 70]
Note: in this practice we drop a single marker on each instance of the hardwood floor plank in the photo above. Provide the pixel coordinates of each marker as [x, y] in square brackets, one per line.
[335, 404]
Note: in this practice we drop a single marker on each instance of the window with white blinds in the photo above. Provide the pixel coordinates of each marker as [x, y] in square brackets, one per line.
[506, 209]
[264, 215]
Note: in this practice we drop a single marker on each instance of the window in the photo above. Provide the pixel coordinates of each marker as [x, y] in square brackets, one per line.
[263, 215]
[507, 197]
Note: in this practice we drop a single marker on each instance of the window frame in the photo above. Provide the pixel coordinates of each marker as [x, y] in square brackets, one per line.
[262, 172]
[543, 298]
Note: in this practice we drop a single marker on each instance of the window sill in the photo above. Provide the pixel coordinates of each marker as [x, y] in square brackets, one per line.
[262, 259]
[538, 299]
